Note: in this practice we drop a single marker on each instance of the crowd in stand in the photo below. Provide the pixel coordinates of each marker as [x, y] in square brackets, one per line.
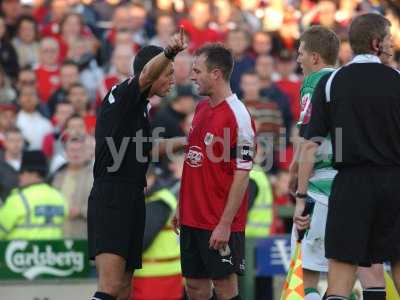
[59, 58]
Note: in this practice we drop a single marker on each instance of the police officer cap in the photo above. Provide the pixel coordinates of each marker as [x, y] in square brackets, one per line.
[34, 161]
[144, 56]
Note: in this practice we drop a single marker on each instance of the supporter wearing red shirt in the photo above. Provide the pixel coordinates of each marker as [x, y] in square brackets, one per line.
[47, 71]
[121, 68]
[78, 97]
[70, 29]
[197, 26]
[213, 197]
[288, 81]
[130, 18]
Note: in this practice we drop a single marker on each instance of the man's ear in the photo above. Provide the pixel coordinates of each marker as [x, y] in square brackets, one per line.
[216, 73]
[315, 57]
[376, 45]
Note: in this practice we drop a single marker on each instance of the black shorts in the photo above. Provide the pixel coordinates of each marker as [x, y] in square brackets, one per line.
[363, 225]
[199, 261]
[116, 218]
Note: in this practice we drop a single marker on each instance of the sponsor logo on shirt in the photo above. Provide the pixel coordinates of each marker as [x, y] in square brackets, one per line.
[208, 138]
[194, 157]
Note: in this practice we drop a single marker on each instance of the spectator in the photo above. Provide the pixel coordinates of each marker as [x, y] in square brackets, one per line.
[120, 69]
[52, 143]
[33, 125]
[74, 179]
[8, 55]
[74, 126]
[324, 13]
[265, 112]
[182, 69]
[346, 11]
[26, 41]
[197, 26]
[72, 27]
[288, 81]
[7, 93]
[7, 120]
[105, 9]
[51, 26]
[289, 33]
[267, 118]
[12, 11]
[138, 15]
[239, 41]
[171, 116]
[83, 54]
[131, 18]
[48, 71]
[262, 43]
[10, 161]
[265, 68]
[280, 184]
[36, 210]
[165, 28]
[88, 14]
[79, 99]
[69, 75]
[345, 52]
[248, 10]
[26, 77]
[223, 16]
[176, 9]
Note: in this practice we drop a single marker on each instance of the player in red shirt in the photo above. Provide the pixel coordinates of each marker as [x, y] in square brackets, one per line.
[213, 196]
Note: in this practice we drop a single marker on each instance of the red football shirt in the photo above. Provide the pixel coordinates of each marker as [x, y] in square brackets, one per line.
[48, 81]
[220, 141]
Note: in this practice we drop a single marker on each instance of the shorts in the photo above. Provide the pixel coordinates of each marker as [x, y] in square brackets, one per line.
[116, 219]
[363, 225]
[313, 243]
[199, 261]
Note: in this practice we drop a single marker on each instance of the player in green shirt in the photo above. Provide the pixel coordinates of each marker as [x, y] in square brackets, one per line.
[318, 52]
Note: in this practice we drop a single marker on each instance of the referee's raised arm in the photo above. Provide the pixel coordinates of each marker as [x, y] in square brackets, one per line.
[153, 69]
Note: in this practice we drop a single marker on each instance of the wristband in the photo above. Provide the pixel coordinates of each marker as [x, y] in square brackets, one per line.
[301, 196]
[169, 53]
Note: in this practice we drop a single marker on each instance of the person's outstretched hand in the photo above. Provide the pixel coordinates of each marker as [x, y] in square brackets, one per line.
[177, 43]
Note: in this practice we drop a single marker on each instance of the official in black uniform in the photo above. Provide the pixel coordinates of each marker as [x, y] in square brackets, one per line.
[359, 106]
[116, 209]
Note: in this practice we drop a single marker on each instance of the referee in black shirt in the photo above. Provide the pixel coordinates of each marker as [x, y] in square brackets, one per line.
[116, 209]
[359, 106]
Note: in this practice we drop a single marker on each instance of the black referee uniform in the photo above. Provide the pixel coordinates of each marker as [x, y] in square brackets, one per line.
[359, 106]
[116, 210]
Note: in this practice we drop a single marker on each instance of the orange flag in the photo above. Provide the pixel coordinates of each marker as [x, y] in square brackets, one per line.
[293, 289]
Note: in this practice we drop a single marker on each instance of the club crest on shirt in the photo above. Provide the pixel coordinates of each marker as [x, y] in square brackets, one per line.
[208, 138]
[306, 107]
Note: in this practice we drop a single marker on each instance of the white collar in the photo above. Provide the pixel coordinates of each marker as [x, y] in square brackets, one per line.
[365, 58]
[231, 97]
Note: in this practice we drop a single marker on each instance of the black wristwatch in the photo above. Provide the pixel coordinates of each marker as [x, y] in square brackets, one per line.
[170, 53]
[301, 196]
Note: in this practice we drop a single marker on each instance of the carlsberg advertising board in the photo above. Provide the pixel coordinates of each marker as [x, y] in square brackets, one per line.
[43, 259]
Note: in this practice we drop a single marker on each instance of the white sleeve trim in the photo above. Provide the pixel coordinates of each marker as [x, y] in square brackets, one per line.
[245, 130]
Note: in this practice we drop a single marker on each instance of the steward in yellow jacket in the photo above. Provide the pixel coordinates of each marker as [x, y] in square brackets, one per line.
[34, 210]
